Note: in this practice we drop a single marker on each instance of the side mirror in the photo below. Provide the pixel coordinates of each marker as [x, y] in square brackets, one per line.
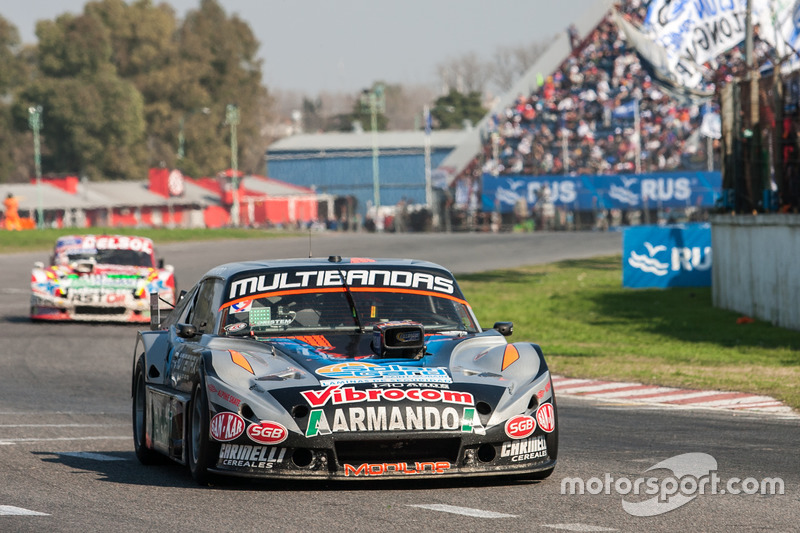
[38, 264]
[505, 328]
[186, 331]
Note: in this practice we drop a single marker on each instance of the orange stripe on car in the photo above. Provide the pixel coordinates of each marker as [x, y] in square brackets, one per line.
[509, 356]
[240, 360]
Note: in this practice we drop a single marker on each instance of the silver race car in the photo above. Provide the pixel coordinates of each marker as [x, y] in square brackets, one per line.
[339, 368]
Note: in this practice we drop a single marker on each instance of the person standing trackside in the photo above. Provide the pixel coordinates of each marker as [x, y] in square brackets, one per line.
[12, 221]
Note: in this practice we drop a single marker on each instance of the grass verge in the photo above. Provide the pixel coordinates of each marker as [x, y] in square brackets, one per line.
[44, 239]
[590, 327]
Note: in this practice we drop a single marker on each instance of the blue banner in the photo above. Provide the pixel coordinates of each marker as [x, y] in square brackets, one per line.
[666, 256]
[615, 191]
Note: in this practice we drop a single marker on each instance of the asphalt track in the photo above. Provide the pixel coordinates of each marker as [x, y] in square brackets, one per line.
[67, 462]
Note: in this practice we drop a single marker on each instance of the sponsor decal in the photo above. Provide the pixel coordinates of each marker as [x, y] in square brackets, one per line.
[303, 279]
[409, 336]
[247, 456]
[115, 298]
[242, 307]
[394, 418]
[382, 469]
[336, 395]
[412, 384]
[525, 449]
[183, 366]
[520, 426]
[228, 397]
[232, 328]
[317, 341]
[471, 422]
[681, 258]
[110, 284]
[543, 391]
[267, 432]
[545, 416]
[361, 372]
[226, 426]
[105, 242]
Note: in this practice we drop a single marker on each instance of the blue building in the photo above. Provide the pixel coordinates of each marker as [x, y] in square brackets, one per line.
[341, 164]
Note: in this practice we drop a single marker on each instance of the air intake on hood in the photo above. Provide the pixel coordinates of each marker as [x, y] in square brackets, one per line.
[404, 340]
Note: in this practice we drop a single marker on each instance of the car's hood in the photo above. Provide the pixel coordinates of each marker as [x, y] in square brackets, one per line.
[348, 359]
[290, 372]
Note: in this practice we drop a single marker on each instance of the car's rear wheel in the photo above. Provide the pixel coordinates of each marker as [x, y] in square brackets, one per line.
[145, 455]
[201, 452]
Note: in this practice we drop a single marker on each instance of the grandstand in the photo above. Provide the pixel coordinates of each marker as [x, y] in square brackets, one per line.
[590, 107]
[460, 158]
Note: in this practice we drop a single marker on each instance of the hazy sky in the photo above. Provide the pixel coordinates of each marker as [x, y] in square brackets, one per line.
[345, 45]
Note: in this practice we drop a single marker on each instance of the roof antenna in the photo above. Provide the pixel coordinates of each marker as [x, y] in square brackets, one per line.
[309, 242]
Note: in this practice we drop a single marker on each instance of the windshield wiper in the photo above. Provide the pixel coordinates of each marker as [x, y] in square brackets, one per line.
[352, 301]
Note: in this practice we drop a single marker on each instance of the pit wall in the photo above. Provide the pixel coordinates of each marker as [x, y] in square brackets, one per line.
[756, 268]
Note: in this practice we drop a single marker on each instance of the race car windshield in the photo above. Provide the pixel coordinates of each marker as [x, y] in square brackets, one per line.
[114, 257]
[292, 312]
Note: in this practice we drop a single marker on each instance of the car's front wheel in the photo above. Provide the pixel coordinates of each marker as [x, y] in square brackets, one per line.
[200, 450]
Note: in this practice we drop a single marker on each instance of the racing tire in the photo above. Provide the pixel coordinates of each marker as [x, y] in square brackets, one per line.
[145, 455]
[201, 452]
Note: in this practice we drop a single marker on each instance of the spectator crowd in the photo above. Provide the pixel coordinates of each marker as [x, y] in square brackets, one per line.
[581, 119]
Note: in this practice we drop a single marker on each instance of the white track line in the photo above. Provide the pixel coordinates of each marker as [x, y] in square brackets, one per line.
[466, 511]
[90, 455]
[667, 396]
[633, 393]
[592, 388]
[15, 441]
[10, 510]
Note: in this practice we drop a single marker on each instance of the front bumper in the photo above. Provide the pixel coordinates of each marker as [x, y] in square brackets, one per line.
[122, 308]
[381, 457]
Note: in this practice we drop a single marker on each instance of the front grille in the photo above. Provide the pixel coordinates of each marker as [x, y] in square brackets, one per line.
[91, 310]
[405, 450]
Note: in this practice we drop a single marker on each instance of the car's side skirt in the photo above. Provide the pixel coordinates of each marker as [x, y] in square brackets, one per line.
[166, 418]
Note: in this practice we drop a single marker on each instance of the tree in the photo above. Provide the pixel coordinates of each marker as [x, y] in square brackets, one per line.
[145, 53]
[404, 105]
[13, 72]
[220, 58]
[312, 115]
[73, 46]
[451, 110]
[509, 63]
[94, 122]
[362, 110]
[94, 126]
[466, 73]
